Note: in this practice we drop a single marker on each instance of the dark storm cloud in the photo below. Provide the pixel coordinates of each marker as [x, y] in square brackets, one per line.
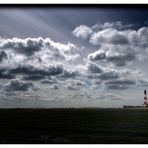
[5, 75]
[34, 77]
[3, 55]
[17, 85]
[37, 73]
[31, 70]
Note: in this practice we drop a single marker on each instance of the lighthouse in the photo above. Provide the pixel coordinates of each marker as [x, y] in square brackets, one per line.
[145, 99]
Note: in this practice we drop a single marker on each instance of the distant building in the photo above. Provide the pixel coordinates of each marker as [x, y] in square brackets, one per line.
[145, 104]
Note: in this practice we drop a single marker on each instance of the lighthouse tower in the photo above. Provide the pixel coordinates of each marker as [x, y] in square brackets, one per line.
[145, 99]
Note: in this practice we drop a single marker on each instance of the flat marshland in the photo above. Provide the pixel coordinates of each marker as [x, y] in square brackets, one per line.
[73, 126]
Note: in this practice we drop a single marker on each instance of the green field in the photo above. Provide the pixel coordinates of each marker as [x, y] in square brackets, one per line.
[74, 126]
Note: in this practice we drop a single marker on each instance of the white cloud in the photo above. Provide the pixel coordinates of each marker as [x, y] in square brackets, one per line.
[40, 46]
[82, 31]
[37, 57]
[97, 55]
[26, 46]
[136, 39]
[117, 25]
[109, 36]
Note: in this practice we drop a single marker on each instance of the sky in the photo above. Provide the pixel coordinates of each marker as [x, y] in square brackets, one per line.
[53, 57]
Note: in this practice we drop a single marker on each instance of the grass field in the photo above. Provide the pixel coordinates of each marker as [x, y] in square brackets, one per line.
[74, 126]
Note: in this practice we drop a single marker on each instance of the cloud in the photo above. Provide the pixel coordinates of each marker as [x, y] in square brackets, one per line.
[17, 85]
[74, 84]
[70, 86]
[118, 87]
[5, 75]
[46, 47]
[109, 75]
[96, 81]
[108, 96]
[34, 77]
[37, 58]
[117, 25]
[118, 55]
[112, 36]
[47, 62]
[142, 83]
[93, 67]
[106, 74]
[98, 55]
[120, 84]
[55, 86]
[70, 73]
[115, 78]
[26, 46]
[60, 67]
[109, 36]
[32, 70]
[49, 81]
[3, 55]
[82, 31]
[121, 59]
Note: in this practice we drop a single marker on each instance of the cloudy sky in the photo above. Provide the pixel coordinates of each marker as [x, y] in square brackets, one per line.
[73, 57]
